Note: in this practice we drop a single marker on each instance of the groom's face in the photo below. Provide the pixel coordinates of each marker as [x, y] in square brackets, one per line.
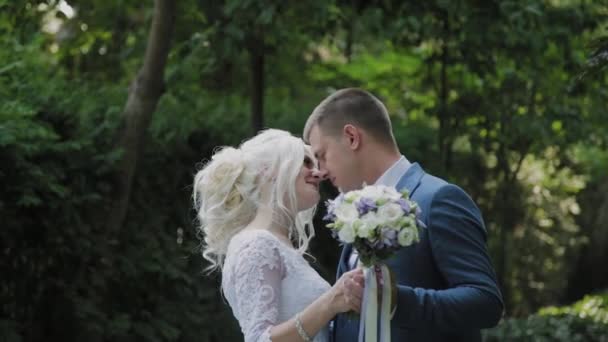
[336, 160]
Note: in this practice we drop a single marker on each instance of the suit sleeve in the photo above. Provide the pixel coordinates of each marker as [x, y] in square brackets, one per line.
[471, 299]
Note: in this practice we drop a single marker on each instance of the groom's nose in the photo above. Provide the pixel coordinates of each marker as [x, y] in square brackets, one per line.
[320, 174]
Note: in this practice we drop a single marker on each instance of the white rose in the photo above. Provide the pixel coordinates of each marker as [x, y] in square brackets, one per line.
[357, 224]
[347, 233]
[369, 222]
[362, 229]
[406, 237]
[347, 212]
[374, 192]
[390, 212]
[392, 193]
[372, 218]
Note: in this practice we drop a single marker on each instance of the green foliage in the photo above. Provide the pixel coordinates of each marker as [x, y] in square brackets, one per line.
[585, 320]
[69, 279]
[547, 234]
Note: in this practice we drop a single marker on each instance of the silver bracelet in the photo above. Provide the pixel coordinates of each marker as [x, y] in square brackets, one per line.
[300, 330]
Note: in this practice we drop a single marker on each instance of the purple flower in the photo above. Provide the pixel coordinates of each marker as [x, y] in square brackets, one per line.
[405, 205]
[330, 216]
[366, 205]
[331, 207]
[389, 237]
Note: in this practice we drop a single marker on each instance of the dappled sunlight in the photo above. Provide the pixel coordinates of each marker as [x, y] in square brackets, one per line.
[52, 21]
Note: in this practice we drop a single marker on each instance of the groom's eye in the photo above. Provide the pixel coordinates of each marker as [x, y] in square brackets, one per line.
[321, 156]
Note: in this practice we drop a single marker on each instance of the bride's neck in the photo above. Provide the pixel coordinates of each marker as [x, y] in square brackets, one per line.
[265, 219]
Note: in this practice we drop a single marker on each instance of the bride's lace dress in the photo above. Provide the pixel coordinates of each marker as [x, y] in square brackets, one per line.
[266, 282]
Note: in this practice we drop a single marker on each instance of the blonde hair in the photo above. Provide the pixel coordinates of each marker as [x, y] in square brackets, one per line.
[227, 191]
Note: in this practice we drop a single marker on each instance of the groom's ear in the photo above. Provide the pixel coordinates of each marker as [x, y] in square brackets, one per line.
[352, 134]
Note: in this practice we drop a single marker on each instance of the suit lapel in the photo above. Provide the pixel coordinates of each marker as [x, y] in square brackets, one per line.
[343, 264]
[411, 179]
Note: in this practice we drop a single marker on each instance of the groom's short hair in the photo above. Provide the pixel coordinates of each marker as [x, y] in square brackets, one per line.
[352, 106]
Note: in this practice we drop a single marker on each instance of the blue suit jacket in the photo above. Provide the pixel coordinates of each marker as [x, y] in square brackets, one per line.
[447, 289]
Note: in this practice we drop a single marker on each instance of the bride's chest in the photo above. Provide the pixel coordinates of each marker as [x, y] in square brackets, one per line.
[301, 283]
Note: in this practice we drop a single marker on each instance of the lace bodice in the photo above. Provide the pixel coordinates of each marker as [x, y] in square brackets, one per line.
[266, 282]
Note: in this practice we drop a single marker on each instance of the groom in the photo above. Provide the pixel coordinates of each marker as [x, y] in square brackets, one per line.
[447, 288]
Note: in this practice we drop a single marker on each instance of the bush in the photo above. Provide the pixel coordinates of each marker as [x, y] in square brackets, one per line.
[585, 320]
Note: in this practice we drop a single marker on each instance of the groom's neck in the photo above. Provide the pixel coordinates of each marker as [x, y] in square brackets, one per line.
[376, 160]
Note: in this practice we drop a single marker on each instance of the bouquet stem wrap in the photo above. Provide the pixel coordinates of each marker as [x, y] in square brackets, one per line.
[376, 306]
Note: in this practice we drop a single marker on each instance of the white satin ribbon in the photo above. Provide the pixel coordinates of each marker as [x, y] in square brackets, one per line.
[368, 324]
[385, 308]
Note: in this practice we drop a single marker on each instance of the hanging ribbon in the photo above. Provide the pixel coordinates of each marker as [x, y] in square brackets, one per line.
[368, 323]
[385, 308]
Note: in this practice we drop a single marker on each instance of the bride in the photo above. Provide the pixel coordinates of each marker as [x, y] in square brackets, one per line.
[255, 206]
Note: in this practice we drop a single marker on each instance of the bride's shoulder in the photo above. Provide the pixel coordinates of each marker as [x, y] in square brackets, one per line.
[257, 239]
[254, 247]
[249, 235]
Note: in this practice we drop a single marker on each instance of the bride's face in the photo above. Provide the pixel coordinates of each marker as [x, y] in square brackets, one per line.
[307, 182]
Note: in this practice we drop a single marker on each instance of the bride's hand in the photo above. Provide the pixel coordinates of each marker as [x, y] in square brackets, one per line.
[347, 293]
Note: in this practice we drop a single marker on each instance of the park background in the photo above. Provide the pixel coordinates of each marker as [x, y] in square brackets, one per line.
[108, 108]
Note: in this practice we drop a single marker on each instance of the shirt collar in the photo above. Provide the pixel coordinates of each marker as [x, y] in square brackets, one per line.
[391, 176]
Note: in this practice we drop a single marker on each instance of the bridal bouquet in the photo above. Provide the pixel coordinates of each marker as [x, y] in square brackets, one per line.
[377, 220]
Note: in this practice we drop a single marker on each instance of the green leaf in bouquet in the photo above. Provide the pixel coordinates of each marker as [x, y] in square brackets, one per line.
[381, 202]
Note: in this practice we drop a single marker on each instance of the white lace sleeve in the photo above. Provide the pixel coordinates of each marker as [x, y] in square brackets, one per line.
[257, 272]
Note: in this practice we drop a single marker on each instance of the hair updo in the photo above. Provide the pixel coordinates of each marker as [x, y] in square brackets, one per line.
[227, 191]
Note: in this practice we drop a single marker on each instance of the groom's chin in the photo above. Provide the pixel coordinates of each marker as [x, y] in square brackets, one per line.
[344, 188]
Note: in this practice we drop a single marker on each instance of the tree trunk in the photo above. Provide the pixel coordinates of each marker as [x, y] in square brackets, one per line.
[444, 141]
[256, 55]
[144, 93]
[505, 226]
[350, 32]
